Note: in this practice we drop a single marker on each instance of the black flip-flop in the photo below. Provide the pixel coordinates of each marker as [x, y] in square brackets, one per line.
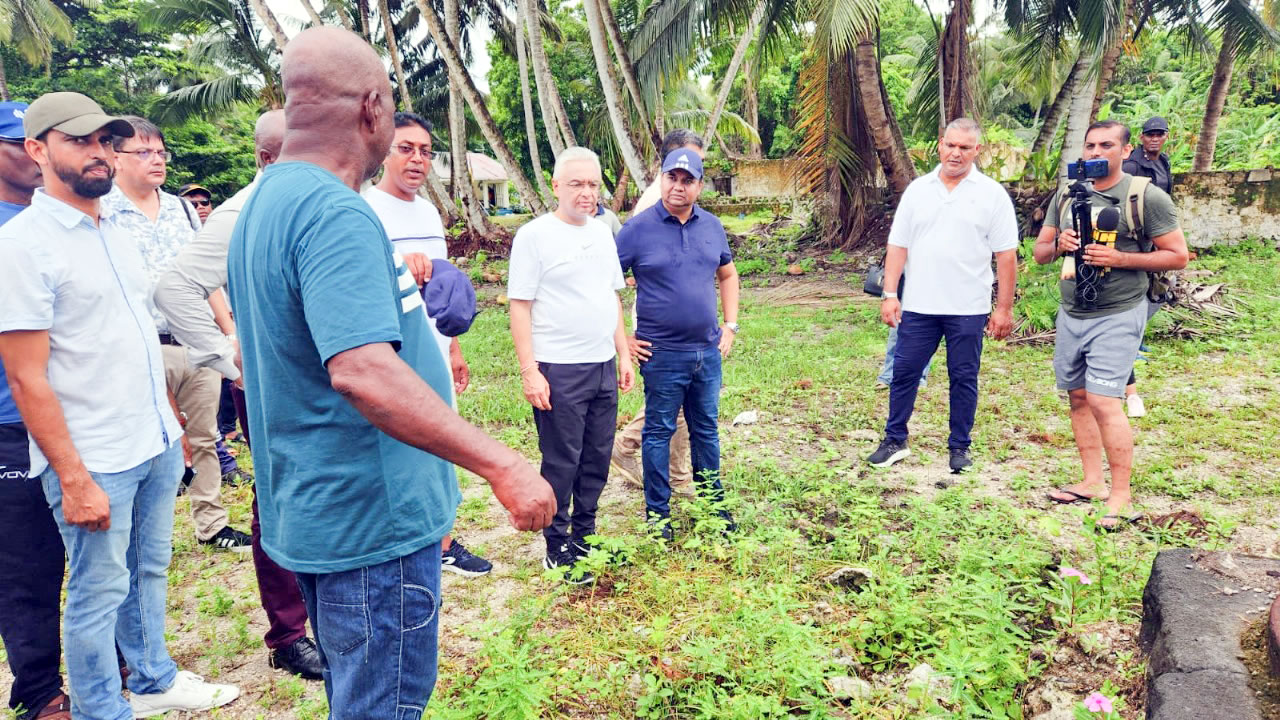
[1122, 522]
[1075, 497]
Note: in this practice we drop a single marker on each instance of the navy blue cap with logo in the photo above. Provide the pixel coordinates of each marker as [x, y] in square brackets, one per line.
[11, 115]
[450, 298]
[683, 159]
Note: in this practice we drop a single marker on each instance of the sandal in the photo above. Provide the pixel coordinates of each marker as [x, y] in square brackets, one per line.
[1119, 522]
[1075, 497]
[58, 708]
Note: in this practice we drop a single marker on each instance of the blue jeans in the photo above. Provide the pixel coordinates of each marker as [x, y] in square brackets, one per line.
[118, 581]
[376, 628]
[918, 338]
[676, 380]
[886, 370]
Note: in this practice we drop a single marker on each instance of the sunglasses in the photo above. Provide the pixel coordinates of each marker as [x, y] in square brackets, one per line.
[200, 202]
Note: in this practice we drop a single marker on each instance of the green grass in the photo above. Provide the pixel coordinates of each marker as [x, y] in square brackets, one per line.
[963, 578]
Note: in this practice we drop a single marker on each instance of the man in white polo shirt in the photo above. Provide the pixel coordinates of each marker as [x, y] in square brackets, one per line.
[413, 224]
[566, 321]
[948, 225]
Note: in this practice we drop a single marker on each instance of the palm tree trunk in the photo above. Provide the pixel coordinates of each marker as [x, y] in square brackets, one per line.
[553, 114]
[1218, 88]
[530, 127]
[620, 192]
[4, 82]
[618, 118]
[439, 196]
[458, 72]
[268, 18]
[341, 11]
[1052, 120]
[316, 20]
[1111, 58]
[472, 209]
[362, 9]
[388, 28]
[731, 73]
[628, 70]
[1077, 116]
[751, 111]
[866, 68]
[954, 63]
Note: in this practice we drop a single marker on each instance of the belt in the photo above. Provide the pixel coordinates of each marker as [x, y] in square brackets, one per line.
[167, 339]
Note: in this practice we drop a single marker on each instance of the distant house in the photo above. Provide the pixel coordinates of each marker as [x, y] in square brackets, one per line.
[488, 178]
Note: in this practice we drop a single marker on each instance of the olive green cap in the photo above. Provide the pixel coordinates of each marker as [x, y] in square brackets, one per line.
[73, 114]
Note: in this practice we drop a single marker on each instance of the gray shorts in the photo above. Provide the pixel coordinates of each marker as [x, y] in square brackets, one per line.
[1097, 353]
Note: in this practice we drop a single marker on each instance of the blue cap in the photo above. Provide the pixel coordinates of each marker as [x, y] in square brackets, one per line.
[451, 301]
[683, 159]
[11, 114]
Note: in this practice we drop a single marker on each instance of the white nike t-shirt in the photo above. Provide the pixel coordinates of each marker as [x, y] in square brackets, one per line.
[414, 227]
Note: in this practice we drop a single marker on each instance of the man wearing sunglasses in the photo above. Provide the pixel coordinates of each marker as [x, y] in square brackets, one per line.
[199, 197]
[1148, 159]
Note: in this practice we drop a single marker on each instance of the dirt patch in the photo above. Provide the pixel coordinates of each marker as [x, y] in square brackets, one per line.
[1266, 687]
[1082, 660]
[811, 292]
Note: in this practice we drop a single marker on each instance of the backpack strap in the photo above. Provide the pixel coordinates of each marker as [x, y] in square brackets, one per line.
[1134, 211]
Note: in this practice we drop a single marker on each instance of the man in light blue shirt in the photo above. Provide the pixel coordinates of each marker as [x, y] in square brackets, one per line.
[84, 367]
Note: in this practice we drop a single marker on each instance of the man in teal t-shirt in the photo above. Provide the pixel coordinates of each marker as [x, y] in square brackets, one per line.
[352, 441]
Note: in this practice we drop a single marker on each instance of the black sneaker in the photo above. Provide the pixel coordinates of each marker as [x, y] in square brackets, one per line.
[660, 527]
[460, 561]
[729, 525]
[231, 539]
[888, 453]
[237, 477]
[960, 460]
[566, 557]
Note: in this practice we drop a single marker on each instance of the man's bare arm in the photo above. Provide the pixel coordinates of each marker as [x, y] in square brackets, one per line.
[388, 393]
[25, 354]
[536, 388]
[727, 274]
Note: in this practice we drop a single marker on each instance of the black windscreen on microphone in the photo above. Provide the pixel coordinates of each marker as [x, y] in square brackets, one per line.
[1108, 220]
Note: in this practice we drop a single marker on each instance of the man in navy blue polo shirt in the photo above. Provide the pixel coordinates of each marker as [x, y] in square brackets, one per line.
[677, 252]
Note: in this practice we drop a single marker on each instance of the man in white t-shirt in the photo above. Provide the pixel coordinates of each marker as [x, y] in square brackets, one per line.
[948, 225]
[413, 224]
[566, 322]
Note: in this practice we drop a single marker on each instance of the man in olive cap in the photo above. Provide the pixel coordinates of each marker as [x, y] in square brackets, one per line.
[83, 361]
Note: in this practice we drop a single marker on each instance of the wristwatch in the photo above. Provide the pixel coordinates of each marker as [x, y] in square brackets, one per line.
[733, 327]
[890, 295]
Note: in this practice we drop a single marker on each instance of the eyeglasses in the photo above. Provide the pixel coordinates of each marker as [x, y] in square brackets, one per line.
[579, 185]
[146, 154]
[423, 150]
[200, 202]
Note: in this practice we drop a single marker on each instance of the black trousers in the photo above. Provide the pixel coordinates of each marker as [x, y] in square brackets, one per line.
[32, 561]
[576, 440]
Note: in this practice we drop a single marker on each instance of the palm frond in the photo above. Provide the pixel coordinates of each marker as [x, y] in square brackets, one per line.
[203, 99]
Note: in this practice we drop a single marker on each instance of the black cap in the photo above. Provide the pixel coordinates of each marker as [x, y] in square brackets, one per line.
[1155, 123]
[189, 188]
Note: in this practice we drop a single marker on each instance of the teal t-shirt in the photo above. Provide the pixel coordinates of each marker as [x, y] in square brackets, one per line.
[312, 274]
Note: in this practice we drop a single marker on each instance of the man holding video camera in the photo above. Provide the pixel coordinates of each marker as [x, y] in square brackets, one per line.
[1103, 311]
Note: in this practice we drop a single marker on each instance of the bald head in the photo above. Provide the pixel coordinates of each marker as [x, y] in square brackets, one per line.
[268, 136]
[337, 99]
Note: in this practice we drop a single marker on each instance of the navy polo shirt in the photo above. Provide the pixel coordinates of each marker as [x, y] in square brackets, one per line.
[675, 269]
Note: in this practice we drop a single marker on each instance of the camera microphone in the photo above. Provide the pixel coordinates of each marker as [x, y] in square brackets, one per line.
[1108, 220]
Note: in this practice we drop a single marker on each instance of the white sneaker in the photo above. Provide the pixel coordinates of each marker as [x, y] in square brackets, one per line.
[189, 692]
[1134, 405]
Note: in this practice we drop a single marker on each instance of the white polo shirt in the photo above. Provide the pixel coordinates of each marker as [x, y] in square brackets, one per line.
[86, 285]
[950, 238]
[572, 275]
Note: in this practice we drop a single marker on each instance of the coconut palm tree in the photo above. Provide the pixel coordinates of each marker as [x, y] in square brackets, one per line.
[731, 73]
[618, 114]
[463, 192]
[31, 27]
[526, 99]
[1243, 32]
[222, 37]
[458, 73]
[552, 107]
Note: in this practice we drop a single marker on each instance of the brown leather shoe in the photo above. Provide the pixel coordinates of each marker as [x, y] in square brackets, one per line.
[58, 708]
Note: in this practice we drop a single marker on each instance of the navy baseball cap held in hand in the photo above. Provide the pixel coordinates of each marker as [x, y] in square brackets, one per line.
[450, 298]
[683, 159]
[11, 114]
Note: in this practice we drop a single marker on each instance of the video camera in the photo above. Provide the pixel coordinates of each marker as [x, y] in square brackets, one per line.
[1087, 277]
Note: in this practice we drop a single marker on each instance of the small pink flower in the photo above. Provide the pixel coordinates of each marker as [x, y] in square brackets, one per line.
[1067, 572]
[1097, 702]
